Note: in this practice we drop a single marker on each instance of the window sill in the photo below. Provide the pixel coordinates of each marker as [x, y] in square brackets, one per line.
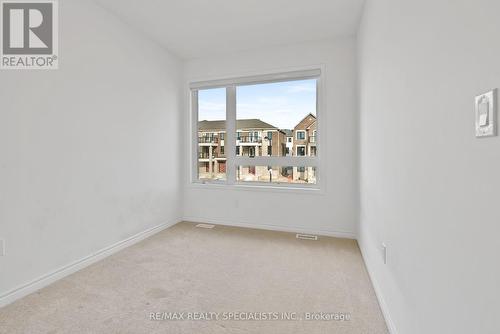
[279, 188]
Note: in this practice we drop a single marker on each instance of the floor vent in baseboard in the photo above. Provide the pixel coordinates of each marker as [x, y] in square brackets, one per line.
[306, 236]
[205, 225]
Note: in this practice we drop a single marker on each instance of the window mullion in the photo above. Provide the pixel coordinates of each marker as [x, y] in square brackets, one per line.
[230, 141]
[304, 161]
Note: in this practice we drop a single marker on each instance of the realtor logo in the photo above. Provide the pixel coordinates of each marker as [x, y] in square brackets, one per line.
[29, 34]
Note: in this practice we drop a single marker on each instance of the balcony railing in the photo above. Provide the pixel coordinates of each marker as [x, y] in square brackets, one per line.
[208, 140]
[205, 155]
[249, 139]
[312, 139]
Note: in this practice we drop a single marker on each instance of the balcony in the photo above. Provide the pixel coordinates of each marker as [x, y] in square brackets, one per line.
[206, 156]
[249, 139]
[312, 139]
[208, 140]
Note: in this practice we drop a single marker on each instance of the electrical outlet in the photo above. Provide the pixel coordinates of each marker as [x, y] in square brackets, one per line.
[2, 247]
[384, 252]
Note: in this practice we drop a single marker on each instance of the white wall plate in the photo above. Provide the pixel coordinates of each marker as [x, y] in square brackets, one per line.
[486, 114]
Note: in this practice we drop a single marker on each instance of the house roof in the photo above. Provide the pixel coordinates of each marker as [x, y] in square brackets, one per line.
[310, 125]
[303, 119]
[212, 125]
[287, 132]
[241, 124]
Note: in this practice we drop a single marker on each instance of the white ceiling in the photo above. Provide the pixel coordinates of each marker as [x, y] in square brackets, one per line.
[194, 28]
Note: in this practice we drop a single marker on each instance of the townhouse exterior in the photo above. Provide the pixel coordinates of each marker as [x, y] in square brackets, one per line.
[255, 137]
[211, 153]
[304, 144]
[289, 142]
[304, 140]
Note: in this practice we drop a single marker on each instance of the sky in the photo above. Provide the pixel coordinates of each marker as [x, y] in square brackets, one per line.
[282, 104]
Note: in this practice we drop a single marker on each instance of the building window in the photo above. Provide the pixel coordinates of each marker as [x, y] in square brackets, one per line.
[301, 151]
[312, 139]
[259, 116]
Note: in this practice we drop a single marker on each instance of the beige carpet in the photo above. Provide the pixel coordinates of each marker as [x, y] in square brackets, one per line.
[231, 272]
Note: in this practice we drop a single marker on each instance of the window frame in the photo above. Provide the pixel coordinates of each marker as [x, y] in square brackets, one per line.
[297, 134]
[232, 161]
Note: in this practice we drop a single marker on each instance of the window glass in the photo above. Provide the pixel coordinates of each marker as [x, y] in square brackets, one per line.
[211, 131]
[266, 112]
[276, 174]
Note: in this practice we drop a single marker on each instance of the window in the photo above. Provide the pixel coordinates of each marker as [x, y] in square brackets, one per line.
[301, 150]
[312, 139]
[251, 139]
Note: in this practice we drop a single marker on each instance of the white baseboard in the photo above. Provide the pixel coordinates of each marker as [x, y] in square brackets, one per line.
[378, 291]
[66, 270]
[337, 234]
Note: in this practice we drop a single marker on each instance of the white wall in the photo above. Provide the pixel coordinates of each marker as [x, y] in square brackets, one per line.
[429, 187]
[336, 210]
[89, 152]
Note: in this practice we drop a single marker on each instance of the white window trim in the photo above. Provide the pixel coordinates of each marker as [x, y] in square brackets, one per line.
[311, 72]
[297, 134]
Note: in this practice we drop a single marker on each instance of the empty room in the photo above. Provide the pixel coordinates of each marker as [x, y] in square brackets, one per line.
[191, 166]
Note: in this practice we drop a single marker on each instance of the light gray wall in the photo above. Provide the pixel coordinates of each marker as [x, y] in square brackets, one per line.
[334, 211]
[89, 152]
[429, 187]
